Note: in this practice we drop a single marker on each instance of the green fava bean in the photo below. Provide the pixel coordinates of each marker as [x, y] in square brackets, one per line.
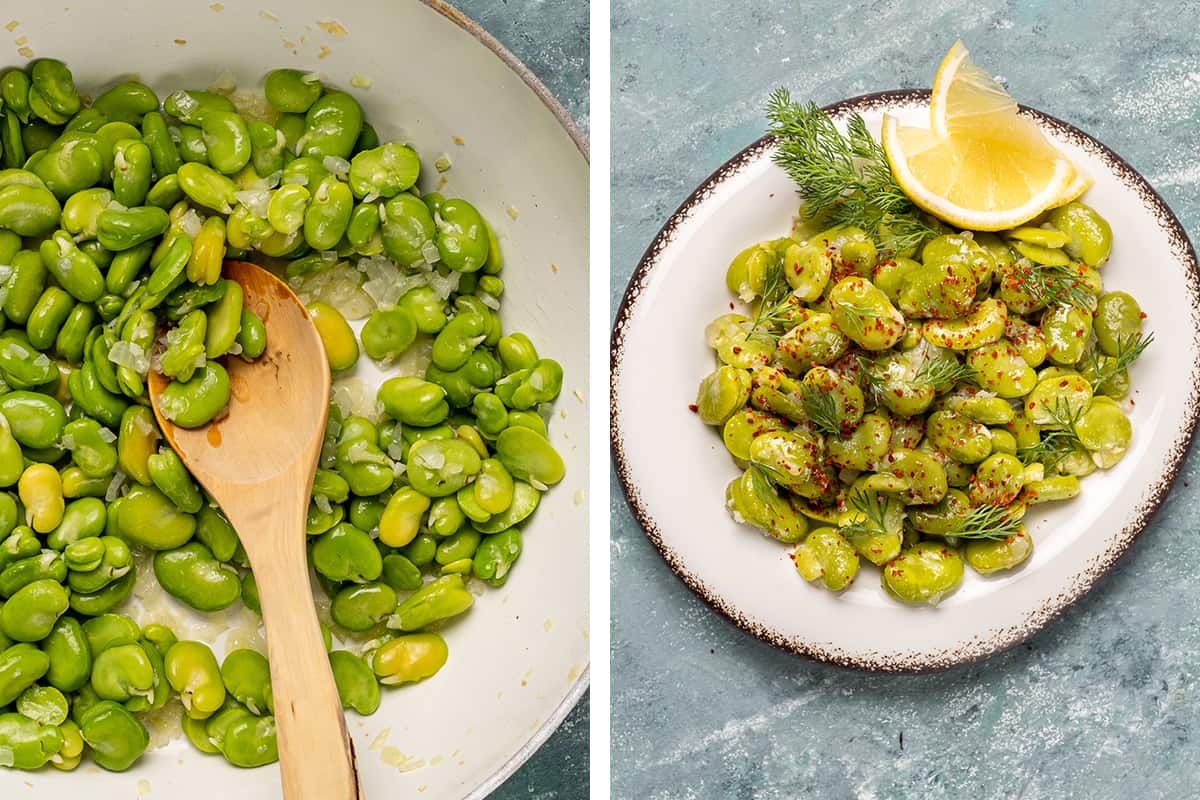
[401, 518]
[998, 480]
[400, 573]
[192, 149]
[116, 562]
[924, 573]
[47, 565]
[28, 744]
[196, 402]
[216, 533]
[825, 554]
[226, 139]
[437, 468]
[425, 307]
[71, 340]
[341, 346]
[43, 704]
[28, 210]
[388, 333]
[192, 671]
[363, 606]
[1118, 322]
[407, 659]
[104, 600]
[91, 447]
[185, 350]
[186, 104]
[127, 102]
[48, 316]
[286, 210]
[82, 518]
[157, 137]
[136, 442]
[148, 518]
[172, 479]
[1105, 431]
[525, 502]
[1090, 235]
[21, 365]
[462, 236]
[207, 187]
[72, 268]
[250, 593]
[250, 742]
[252, 336]
[864, 314]
[26, 284]
[458, 546]
[69, 655]
[722, 394]
[346, 553]
[247, 677]
[754, 500]
[291, 91]
[81, 212]
[224, 322]
[986, 556]
[363, 232]
[36, 420]
[191, 574]
[30, 614]
[408, 231]
[411, 401]
[133, 170]
[71, 166]
[864, 447]
[441, 599]
[941, 290]
[21, 666]
[124, 673]
[384, 171]
[1001, 369]
[14, 90]
[529, 456]
[516, 352]
[964, 440]
[125, 229]
[332, 126]
[496, 556]
[1066, 329]
[356, 683]
[116, 738]
[328, 214]
[53, 82]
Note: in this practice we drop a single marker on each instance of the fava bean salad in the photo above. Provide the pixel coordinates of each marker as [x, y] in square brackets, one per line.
[116, 216]
[907, 406]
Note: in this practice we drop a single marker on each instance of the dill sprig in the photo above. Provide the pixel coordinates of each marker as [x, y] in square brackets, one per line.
[773, 304]
[1129, 350]
[1058, 442]
[987, 522]
[941, 371]
[846, 175]
[1052, 284]
[763, 482]
[821, 409]
[873, 510]
[856, 316]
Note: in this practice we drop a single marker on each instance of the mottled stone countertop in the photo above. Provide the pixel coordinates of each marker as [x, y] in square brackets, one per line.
[551, 38]
[1104, 704]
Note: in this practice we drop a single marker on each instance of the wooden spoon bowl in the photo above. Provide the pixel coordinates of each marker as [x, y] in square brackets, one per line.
[258, 463]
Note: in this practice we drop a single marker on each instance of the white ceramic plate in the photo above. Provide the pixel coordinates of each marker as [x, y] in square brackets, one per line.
[519, 658]
[675, 469]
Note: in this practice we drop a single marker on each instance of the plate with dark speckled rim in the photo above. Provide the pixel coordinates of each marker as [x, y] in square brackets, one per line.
[674, 469]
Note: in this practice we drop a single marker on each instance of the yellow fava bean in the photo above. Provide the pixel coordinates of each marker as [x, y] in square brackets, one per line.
[1058, 399]
[864, 314]
[868, 443]
[792, 459]
[836, 562]
[752, 499]
[962, 439]
[998, 481]
[1090, 234]
[743, 426]
[924, 476]
[807, 268]
[1066, 329]
[731, 337]
[815, 341]
[924, 573]
[721, 394]
[986, 556]
[1028, 340]
[1000, 369]
[40, 490]
[1105, 431]
[983, 324]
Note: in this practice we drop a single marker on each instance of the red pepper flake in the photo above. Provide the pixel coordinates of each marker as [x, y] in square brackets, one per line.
[731, 306]
[736, 350]
[692, 407]
[1143, 315]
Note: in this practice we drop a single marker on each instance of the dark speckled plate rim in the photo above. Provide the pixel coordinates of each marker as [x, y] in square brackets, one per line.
[999, 639]
[575, 693]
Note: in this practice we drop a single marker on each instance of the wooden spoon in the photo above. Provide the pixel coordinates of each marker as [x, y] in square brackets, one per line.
[258, 464]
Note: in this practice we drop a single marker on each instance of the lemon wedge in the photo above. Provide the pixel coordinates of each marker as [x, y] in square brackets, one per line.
[983, 183]
[980, 165]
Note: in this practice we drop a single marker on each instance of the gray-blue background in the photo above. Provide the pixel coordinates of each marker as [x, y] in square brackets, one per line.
[551, 37]
[1104, 704]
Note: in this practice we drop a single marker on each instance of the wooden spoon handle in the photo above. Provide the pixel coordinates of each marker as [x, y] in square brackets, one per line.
[316, 757]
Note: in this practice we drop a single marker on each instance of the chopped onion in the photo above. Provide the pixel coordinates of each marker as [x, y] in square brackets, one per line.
[225, 83]
[338, 166]
[490, 301]
[107, 435]
[129, 355]
[430, 252]
[191, 223]
[114, 486]
[67, 441]
[322, 502]
[535, 483]
[256, 200]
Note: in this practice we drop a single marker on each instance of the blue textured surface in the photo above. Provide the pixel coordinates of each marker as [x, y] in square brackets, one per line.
[1103, 704]
[551, 38]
